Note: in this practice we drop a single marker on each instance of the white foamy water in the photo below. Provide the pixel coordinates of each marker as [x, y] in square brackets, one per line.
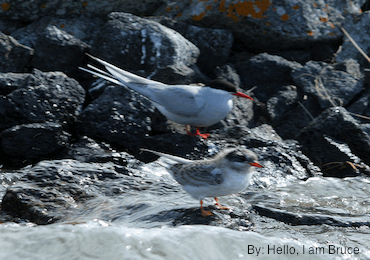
[99, 240]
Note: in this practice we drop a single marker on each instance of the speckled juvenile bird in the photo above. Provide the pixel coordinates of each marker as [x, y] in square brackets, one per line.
[193, 105]
[227, 173]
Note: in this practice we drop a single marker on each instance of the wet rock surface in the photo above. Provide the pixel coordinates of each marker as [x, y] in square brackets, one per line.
[70, 144]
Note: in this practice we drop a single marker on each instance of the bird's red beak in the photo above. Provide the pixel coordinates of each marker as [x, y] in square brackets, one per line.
[256, 164]
[240, 94]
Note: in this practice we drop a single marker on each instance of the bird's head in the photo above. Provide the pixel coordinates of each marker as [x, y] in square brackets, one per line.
[228, 87]
[241, 159]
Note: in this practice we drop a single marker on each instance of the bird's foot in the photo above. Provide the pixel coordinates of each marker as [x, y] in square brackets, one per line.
[219, 205]
[197, 133]
[205, 213]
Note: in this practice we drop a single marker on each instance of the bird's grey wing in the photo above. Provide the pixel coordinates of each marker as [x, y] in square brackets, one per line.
[179, 100]
[197, 174]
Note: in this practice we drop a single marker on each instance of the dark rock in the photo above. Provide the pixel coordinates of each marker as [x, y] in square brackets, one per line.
[301, 56]
[33, 141]
[228, 73]
[360, 109]
[52, 189]
[281, 103]
[268, 73]
[90, 151]
[299, 218]
[15, 56]
[65, 189]
[173, 143]
[299, 115]
[119, 116]
[56, 50]
[12, 81]
[266, 25]
[214, 44]
[335, 136]
[40, 97]
[330, 85]
[82, 27]
[30, 11]
[358, 29]
[146, 46]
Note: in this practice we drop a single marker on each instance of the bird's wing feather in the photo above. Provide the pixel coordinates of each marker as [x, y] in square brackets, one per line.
[197, 174]
[176, 99]
[123, 75]
[179, 100]
[168, 156]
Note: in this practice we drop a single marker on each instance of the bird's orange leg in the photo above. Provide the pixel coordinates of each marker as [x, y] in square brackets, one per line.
[219, 205]
[204, 212]
[204, 136]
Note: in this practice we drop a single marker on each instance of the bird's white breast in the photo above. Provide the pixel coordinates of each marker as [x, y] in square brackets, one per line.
[233, 182]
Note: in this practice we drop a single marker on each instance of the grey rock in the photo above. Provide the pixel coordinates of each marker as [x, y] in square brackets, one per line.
[137, 44]
[330, 85]
[268, 25]
[35, 9]
[214, 44]
[293, 117]
[294, 216]
[56, 50]
[33, 141]
[82, 27]
[15, 56]
[119, 116]
[359, 30]
[40, 97]
[51, 190]
[228, 72]
[281, 103]
[87, 150]
[335, 136]
[268, 73]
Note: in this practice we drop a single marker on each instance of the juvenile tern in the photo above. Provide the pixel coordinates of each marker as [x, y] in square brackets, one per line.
[226, 173]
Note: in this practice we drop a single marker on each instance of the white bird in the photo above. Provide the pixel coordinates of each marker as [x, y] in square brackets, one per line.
[184, 104]
[227, 173]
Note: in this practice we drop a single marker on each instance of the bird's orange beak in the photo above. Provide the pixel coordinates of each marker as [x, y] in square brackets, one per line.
[256, 164]
[240, 94]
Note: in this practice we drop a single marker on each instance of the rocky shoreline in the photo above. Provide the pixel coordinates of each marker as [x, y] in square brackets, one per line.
[67, 138]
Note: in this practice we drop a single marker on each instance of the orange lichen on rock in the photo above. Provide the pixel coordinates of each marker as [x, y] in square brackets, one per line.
[255, 9]
[324, 19]
[178, 15]
[199, 16]
[295, 7]
[168, 8]
[209, 7]
[5, 6]
[62, 25]
[310, 33]
[84, 4]
[222, 7]
[284, 17]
